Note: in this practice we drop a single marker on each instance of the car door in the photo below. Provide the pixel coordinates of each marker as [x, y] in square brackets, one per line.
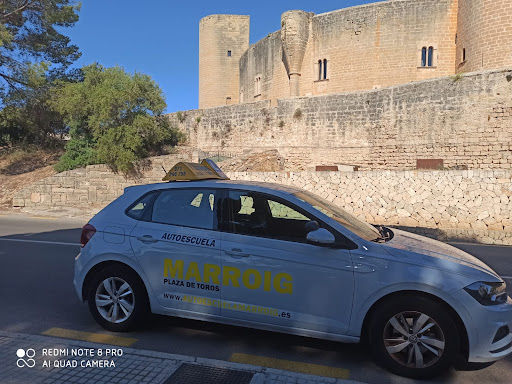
[273, 276]
[178, 247]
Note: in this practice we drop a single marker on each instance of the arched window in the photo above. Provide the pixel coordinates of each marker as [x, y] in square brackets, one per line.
[430, 62]
[424, 56]
[257, 86]
[321, 70]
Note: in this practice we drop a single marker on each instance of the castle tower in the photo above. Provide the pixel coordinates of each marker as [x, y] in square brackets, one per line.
[484, 35]
[222, 41]
[294, 37]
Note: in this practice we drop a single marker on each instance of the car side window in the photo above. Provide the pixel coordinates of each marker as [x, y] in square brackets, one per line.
[137, 209]
[257, 214]
[186, 207]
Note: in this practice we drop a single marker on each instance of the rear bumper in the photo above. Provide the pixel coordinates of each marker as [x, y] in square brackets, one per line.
[78, 278]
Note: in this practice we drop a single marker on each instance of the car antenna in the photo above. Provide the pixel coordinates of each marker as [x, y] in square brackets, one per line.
[164, 169]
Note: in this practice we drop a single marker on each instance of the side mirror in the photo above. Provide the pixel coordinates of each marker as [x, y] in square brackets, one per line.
[311, 226]
[321, 236]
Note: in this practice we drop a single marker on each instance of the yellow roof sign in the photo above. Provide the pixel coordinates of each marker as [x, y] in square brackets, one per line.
[215, 168]
[191, 171]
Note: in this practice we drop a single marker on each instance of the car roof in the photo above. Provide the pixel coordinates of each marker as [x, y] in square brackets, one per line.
[224, 184]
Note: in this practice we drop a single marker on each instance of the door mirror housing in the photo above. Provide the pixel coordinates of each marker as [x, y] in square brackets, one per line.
[321, 236]
[312, 226]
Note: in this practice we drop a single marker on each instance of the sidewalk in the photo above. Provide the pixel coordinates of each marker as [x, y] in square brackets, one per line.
[41, 359]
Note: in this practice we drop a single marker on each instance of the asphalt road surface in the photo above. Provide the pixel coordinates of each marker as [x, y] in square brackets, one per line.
[36, 294]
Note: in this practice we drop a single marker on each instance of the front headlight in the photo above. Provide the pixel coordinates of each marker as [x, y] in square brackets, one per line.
[488, 293]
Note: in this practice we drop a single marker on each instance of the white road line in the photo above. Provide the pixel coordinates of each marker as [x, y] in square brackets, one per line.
[40, 242]
[507, 277]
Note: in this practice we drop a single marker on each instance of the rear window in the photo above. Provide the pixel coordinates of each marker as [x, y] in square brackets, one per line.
[137, 209]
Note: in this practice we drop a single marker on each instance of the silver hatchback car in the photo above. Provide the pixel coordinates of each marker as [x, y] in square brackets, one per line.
[279, 258]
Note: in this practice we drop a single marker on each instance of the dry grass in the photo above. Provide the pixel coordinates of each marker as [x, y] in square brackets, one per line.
[22, 167]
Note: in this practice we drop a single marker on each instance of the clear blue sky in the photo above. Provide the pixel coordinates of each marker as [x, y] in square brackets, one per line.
[161, 37]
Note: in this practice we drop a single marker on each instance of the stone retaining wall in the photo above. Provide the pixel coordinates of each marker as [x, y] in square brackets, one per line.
[464, 120]
[92, 185]
[471, 205]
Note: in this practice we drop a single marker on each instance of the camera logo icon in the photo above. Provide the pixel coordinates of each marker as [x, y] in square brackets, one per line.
[25, 358]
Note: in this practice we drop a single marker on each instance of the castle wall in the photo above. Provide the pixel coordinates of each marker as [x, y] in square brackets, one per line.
[466, 121]
[219, 72]
[378, 45]
[485, 32]
[264, 60]
[368, 46]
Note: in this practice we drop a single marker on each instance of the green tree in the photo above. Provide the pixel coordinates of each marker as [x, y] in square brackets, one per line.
[28, 34]
[114, 118]
[26, 117]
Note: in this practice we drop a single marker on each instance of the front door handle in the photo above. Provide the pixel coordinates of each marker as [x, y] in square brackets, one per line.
[148, 239]
[237, 253]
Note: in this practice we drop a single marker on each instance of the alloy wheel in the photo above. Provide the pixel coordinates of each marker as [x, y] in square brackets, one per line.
[115, 300]
[414, 339]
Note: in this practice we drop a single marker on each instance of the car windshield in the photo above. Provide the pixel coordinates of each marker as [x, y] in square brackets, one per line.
[352, 223]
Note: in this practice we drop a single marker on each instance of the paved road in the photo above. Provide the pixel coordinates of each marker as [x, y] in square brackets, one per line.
[36, 294]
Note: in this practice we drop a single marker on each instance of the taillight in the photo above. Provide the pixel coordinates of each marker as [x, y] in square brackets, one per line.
[88, 231]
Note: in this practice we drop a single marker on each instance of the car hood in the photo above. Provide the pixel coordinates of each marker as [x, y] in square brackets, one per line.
[410, 246]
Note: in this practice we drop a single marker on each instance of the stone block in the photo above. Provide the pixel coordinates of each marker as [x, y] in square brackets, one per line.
[18, 202]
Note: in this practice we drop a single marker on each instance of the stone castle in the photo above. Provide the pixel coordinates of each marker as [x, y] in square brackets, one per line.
[360, 48]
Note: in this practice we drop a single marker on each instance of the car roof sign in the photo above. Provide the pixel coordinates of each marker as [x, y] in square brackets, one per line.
[185, 171]
[215, 168]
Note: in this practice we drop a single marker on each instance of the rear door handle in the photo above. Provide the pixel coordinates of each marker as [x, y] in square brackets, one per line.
[147, 239]
[237, 253]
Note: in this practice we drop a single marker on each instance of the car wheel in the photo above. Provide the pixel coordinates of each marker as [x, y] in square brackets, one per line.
[413, 336]
[117, 299]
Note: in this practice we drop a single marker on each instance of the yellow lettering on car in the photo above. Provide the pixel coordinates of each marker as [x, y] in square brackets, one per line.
[267, 281]
[193, 271]
[211, 271]
[230, 274]
[172, 270]
[251, 278]
[246, 279]
[283, 287]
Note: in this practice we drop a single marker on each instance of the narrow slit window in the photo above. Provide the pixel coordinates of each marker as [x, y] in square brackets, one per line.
[424, 57]
[229, 53]
[325, 69]
[463, 54]
[257, 86]
[319, 69]
[431, 56]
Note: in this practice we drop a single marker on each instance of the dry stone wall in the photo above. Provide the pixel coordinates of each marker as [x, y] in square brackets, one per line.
[467, 205]
[93, 185]
[474, 205]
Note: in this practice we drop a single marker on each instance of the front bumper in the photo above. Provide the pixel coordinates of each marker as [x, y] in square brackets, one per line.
[488, 336]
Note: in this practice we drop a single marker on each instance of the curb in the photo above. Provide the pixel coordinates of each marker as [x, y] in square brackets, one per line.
[262, 375]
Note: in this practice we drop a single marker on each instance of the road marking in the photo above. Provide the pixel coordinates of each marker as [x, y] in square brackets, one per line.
[40, 242]
[43, 218]
[288, 365]
[91, 337]
[506, 277]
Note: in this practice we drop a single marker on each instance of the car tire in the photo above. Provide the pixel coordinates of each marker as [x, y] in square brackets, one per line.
[413, 336]
[118, 299]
